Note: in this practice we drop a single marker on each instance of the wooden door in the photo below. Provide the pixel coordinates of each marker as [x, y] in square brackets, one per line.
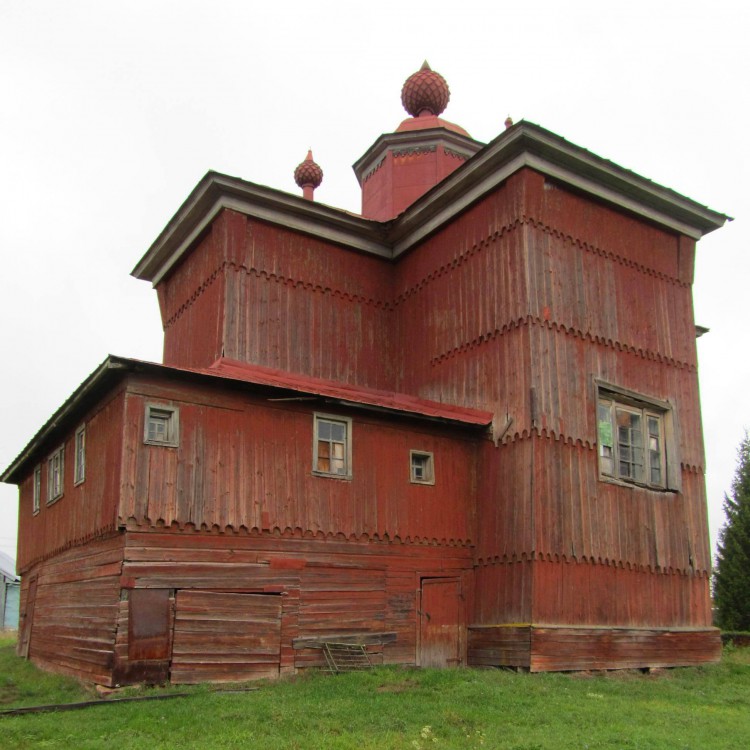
[28, 620]
[221, 637]
[440, 629]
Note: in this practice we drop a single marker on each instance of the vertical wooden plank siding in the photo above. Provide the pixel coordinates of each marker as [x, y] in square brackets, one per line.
[244, 462]
[85, 511]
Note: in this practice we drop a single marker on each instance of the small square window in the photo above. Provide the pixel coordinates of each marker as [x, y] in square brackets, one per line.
[37, 489]
[55, 478]
[162, 425]
[79, 467]
[422, 469]
[332, 449]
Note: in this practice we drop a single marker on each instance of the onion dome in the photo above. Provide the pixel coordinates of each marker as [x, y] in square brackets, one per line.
[425, 92]
[308, 176]
[308, 173]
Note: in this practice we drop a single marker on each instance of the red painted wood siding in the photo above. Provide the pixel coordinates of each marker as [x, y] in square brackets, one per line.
[538, 288]
[85, 511]
[327, 585]
[243, 462]
[262, 294]
[75, 612]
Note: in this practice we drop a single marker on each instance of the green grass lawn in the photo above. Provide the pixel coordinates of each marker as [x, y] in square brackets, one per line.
[705, 708]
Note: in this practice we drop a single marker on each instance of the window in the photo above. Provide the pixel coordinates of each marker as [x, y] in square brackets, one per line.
[79, 468]
[632, 440]
[55, 466]
[162, 425]
[332, 449]
[37, 488]
[422, 467]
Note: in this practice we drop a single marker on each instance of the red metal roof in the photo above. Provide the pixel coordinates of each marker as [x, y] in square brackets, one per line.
[234, 370]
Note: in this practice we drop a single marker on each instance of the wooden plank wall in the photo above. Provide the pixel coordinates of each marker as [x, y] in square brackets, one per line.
[76, 609]
[191, 302]
[499, 645]
[225, 637]
[517, 307]
[325, 586]
[243, 462]
[85, 511]
[560, 648]
[266, 295]
[566, 649]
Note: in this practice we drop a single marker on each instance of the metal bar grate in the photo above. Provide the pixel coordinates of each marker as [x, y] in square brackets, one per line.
[346, 657]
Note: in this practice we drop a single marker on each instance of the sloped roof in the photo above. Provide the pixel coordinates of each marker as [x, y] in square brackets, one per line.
[114, 368]
[349, 394]
[522, 145]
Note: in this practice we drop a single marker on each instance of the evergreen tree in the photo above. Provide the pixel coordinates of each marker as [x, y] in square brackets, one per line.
[732, 575]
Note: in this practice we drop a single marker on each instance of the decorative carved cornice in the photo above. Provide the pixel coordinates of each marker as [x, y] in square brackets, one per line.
[414, 151]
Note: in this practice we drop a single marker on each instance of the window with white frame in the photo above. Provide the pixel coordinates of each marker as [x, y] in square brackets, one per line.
[162, 425]
[422, 467]
[632, 440]
[79, 464]
[55, 478]
[332, 448]
[37, 491]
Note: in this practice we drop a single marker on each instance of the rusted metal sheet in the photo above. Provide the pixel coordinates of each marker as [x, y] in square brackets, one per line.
[149, 624]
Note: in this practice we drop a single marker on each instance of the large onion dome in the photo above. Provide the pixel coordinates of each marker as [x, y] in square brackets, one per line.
[425, 92]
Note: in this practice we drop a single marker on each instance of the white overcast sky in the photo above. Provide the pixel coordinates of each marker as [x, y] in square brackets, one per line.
[110, 113]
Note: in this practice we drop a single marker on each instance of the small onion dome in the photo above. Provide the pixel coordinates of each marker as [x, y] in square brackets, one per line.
[425, 92]
[308, 173]
[508, 122]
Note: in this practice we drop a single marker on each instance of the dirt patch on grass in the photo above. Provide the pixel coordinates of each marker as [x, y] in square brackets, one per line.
[398, 687]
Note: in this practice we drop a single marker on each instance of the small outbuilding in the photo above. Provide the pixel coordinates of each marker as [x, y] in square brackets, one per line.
[10, 593]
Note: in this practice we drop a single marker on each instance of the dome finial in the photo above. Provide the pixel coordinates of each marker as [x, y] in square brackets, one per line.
[308, 175]
[425, 92]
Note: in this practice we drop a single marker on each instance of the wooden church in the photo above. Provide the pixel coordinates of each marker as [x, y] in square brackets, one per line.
[461, 428]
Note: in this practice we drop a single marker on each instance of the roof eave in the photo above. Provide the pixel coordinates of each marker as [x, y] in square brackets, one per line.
[441, 136]
[61, 415]
[216, 192]
[113, 366]
[529, 145]
[522, 145]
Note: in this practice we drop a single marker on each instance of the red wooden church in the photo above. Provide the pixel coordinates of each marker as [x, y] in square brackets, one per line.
[462, 428]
